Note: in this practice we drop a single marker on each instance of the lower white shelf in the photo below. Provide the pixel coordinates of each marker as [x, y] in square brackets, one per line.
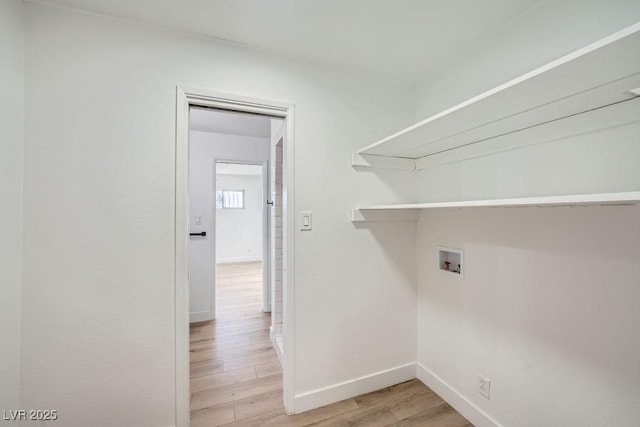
[409, 212]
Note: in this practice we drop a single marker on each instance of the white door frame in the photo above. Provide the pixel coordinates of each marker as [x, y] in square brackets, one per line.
[186, 97]
[266, 280]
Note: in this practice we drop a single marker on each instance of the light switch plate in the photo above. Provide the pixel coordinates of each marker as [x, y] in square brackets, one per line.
[305, 220]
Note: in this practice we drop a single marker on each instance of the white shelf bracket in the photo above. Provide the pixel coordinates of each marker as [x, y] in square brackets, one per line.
[366, 215]
[384, 162]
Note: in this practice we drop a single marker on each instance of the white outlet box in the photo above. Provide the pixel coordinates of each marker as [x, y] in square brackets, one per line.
[484, 387]
[451, 260]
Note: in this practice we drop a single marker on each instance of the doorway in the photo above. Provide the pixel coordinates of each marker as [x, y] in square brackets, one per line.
[186, 102]
[231, 149]
[241, 235]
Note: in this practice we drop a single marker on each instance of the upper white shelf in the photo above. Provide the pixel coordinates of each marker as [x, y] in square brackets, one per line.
[407, 212]
[588, 81]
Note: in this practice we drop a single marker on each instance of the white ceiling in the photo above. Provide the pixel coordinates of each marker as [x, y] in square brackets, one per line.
[228, 122]
[401, 39]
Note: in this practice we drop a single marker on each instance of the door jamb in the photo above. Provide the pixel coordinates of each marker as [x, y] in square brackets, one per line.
[266, 236]
[185, 98]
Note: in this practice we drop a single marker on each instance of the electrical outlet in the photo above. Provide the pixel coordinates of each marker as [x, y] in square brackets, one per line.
[484, 387]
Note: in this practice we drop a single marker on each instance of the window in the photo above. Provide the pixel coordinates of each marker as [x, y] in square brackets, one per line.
[230, 199]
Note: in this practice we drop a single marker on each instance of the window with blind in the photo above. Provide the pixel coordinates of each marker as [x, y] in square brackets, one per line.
[230, 199]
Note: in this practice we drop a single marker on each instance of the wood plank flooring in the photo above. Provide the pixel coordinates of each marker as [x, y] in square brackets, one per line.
[236, 379]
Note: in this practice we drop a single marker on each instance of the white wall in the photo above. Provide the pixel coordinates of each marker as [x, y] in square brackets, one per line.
[239, 231]
[544, 32]
[11, 172]
[543, 310]
[98, 301]
[597, 162]
[547, 310]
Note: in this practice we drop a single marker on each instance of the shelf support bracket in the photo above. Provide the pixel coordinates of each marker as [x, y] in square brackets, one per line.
[382, 162]
[366, 215]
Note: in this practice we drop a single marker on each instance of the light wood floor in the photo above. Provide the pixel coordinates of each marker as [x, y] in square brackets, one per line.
[236, 378]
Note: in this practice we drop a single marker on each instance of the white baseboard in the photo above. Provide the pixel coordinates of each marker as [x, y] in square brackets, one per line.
[337, 392]
[277, 329]
[278, 344]
[460, 403]
[232, 260]
[200, 316]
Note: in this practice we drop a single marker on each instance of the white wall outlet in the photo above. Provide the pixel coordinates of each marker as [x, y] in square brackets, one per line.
[484, 387]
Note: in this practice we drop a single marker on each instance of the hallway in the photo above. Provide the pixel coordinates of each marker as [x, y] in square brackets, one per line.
[236, 377]
[235, 373]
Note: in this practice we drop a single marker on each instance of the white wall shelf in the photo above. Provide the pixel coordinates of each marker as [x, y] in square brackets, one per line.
[599, 82]
[390, 212]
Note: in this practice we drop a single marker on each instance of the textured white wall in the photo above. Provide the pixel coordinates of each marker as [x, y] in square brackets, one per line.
[544, 309]
[544, 32]
[598, 162]
[239, 231]
[98, 341]
[547, 311]
[11, 172]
